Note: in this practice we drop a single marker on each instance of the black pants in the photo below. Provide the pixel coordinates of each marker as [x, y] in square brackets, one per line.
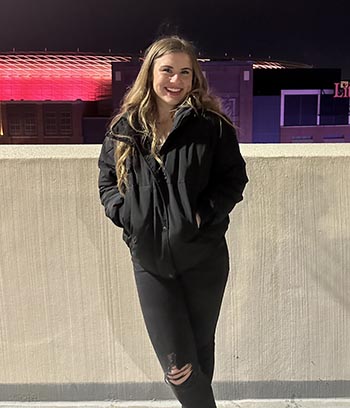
[181, 316]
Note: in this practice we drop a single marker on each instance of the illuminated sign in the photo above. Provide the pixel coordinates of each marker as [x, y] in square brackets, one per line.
[341, 89]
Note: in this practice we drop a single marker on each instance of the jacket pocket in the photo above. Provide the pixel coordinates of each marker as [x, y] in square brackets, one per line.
[206, 212]
[124, 215]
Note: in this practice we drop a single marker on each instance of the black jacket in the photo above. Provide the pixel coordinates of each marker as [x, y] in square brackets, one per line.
[203, 172]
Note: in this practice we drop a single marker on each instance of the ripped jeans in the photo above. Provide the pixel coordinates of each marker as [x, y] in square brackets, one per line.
[181, 316]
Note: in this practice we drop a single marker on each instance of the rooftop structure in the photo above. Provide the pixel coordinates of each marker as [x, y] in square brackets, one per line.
[269, 64]
[51, 76]
[60, 65]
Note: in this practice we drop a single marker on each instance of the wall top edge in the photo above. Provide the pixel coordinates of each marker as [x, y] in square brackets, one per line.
[276, 150]
[92, 151]
[51, 151]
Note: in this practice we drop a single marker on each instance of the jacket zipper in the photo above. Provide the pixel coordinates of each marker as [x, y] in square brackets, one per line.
[165, 221]
[166, 226]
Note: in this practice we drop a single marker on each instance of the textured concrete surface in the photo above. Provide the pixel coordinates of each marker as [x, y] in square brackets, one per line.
[71, 327]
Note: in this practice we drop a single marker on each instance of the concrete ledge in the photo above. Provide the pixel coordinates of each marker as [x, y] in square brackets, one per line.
[283, 403]
[92, 151]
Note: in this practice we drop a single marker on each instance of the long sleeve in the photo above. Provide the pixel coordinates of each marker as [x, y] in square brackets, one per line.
[110, 196]
[228, 177]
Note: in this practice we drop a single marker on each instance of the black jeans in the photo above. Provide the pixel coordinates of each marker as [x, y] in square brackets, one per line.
[181, 316]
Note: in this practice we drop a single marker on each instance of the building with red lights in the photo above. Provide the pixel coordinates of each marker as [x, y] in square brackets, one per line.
[44, 97]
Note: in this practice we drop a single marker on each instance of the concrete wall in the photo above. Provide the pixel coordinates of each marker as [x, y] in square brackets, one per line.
[71, 327]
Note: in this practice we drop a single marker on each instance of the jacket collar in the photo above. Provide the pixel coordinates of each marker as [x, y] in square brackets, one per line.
[182, 115]
[123, 132]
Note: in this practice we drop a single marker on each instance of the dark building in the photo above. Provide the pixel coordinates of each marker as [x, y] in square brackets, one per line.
[298, 105]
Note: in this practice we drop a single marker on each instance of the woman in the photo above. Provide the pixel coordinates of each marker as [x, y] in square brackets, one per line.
[170, 173]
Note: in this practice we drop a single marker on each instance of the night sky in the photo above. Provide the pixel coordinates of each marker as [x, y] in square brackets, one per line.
[309, 31]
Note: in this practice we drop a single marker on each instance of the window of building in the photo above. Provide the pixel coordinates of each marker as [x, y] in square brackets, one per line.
[58, 120]
[50, 123]
[312, 107]
[300, 110]
[65, 123]
[15, 126]
[22, 120]
[30, 124]
[334, 111]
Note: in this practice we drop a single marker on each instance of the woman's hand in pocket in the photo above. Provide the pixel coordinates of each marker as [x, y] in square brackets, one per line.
[198, 219]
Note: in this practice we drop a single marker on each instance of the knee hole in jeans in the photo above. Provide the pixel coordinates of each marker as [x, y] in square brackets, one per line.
[177, 376]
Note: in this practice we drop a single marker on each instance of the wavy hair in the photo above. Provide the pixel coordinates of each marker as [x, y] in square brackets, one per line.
[139, 102]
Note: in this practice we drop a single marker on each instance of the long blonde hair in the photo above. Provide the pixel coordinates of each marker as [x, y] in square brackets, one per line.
[139, 103]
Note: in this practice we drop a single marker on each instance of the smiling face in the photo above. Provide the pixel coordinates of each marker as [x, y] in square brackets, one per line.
[172, 79]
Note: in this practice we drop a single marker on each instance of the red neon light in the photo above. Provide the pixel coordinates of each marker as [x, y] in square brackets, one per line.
[39, 77]
[55, 89]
